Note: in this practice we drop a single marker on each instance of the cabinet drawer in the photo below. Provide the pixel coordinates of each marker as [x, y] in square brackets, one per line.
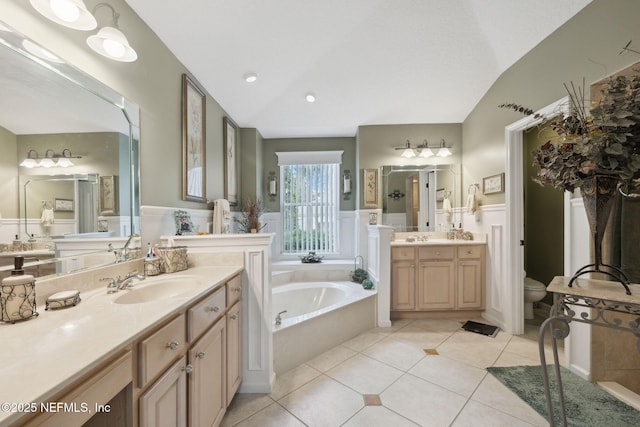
[205, 313]
[437, 252]
[470, 252]
[403, 254]
[234, 290]
[160, 349]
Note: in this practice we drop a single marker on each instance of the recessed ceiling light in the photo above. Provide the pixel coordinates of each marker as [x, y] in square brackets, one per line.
[250, 77]
[310, 97]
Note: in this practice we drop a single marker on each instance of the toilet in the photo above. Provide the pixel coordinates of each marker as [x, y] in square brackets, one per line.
[534, 291]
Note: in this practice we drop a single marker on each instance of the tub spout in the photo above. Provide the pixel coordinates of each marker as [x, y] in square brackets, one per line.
[278, 318]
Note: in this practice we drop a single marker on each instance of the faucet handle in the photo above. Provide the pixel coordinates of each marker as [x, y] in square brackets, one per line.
[111, 286]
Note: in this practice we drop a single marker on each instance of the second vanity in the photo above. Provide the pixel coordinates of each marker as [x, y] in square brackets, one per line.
[168, 347]
[432, 276]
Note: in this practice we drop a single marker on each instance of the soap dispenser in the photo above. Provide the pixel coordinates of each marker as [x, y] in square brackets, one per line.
[18, 294]
[17, 244]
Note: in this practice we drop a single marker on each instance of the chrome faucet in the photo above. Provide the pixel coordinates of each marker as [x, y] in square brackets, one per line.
[279, 318]
[114, 285]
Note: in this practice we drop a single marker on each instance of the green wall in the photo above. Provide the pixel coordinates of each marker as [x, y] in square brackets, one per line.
[270, 162]
[586, 46]
[8, 174]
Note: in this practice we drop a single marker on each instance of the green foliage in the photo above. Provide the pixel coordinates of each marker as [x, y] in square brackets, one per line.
[301, 240]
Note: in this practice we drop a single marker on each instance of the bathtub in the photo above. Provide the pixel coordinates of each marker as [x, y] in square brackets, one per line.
[322, 311]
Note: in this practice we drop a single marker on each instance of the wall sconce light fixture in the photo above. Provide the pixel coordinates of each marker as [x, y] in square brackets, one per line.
[109, 41]
[346, 182]
[273, 184]
[424, 150]
[50, 159]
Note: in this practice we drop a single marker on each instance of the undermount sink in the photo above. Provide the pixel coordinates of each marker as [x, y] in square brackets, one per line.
[157, 289]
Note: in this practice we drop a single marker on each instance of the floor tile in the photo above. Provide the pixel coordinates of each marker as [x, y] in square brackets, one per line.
[273, 415]
[364, 340]
[395, 353]
[493, 393]
[476, 414]
[422, 402]
[445, 326]
[323, 402]
[331, 358]
[486, 350]
[378, 416]
[450, 374]
[364, 374]
[245, 405]
[418, 337]
[291, 380]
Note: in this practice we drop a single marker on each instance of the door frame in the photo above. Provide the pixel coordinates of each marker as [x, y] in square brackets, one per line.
[514, 206]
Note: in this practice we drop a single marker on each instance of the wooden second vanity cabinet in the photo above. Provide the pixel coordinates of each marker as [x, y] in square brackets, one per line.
[428, 278]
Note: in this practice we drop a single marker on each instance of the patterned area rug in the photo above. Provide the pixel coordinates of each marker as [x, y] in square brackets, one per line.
[586, 404]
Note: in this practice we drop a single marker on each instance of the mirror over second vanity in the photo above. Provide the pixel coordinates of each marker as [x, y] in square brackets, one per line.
[69, 169]
[421, 198]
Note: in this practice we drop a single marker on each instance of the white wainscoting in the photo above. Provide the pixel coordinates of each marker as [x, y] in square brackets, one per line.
[156, 221]
[491, 220]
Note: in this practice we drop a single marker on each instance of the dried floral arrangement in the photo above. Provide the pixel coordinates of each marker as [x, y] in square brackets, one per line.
[603, 140]
[252, 210]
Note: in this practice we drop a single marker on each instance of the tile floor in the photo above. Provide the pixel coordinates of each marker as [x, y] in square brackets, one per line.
[384, 377]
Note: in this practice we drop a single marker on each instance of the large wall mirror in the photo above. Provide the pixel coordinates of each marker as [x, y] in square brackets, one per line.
[69, 149]
[421, 198]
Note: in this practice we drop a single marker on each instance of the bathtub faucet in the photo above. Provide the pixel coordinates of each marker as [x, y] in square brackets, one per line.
[278, 318]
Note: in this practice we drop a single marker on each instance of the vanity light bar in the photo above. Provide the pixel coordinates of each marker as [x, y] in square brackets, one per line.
[50, 159]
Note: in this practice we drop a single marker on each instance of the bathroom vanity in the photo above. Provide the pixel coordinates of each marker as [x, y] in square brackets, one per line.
[168, 347]
[437, 276]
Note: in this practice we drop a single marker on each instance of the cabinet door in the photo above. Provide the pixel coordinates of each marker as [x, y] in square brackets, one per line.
[403, 276]
[234, 358]
[470, 284]
[207, 382]
[436, 285]
[165, 403]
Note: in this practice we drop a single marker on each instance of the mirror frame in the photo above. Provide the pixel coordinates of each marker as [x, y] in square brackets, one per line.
[130, 111]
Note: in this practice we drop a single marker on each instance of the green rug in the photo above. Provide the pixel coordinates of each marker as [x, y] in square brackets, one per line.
[586, 404]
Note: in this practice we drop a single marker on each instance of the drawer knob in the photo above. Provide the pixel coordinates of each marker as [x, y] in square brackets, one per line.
[210, 309]
[188, 369]
[469, 252]
[172, 345]
[234, 317]
[238, 289]
[200, 355]
[437, 252]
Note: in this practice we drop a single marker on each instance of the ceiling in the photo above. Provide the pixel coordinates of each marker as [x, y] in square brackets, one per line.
[367, 61]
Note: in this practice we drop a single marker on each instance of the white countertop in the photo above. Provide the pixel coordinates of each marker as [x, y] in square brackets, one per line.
[437, 242]
[43, 355]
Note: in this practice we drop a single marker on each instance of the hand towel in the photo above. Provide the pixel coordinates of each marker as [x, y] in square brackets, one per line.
[47, 217]
[446, 208]
[221, 216]
[472, 203]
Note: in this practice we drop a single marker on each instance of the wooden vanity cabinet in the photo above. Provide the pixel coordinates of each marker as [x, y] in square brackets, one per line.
[196, 389]
[437, 278]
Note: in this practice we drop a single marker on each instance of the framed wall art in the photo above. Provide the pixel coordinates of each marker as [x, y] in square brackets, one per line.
[108, 195]
[493, 184]
[440, 194]
[230, 138]
[370, 190]
[63, 205]
[193, 141]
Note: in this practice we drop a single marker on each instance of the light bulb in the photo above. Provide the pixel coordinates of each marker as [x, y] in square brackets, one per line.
[47, 163]
[29, 163]
[113, 48]
[64, 162]
[65, 10]
[408, 153]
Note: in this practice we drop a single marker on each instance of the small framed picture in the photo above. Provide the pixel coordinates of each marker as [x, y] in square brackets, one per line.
[63, 205]
[373, 218]
[108, 195]
[370, 184]
[184, 226]
[440, 195]
[231, 177]
[493, 184]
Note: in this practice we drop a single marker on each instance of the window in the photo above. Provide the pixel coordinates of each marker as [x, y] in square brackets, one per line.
[310, 201]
